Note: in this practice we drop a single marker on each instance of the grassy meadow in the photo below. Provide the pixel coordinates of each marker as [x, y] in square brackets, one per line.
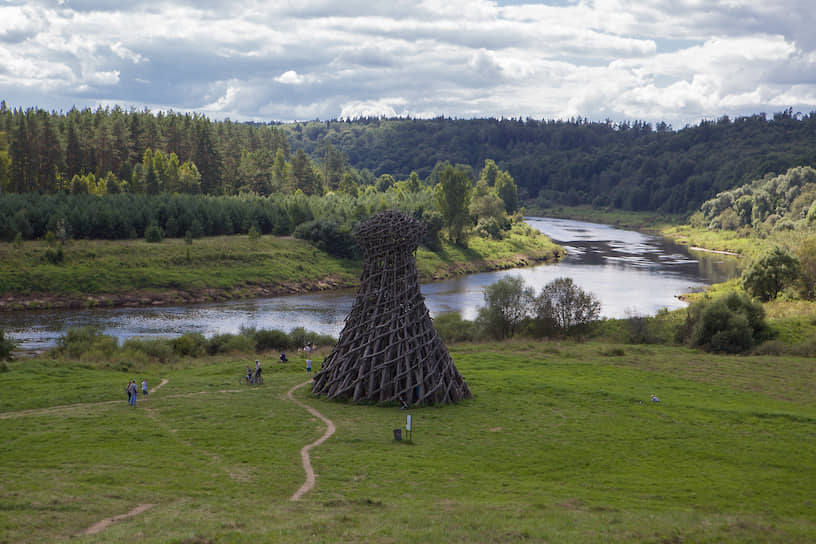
[560, 443]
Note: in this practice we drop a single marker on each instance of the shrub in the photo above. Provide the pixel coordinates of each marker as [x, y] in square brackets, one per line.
[732, 323]
[78, 341]
[189, 345]
[153, 234]
[227, 343]
[6, 346]
[768, 275]
[54, 256]
[155, 348]
[452, 328]
[253, 233]
[272, 339]
[336, 240]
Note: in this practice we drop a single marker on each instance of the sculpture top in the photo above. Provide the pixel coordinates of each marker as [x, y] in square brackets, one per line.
[390, 230]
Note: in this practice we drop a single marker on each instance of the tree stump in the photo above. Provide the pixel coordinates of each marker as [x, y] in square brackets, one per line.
[389, 350]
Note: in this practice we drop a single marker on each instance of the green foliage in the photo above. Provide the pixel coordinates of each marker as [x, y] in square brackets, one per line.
[334, 239]
[188, 237]
[453, 200]
[772, 272]
[189, 345]
[565, 306]
[763, 202]
[54, 256]
[154, 234]
[253, 233]
[80, 341]
[453, 328]
[274, 339]
[731, 323]
[229, 343]
[806, 254]
[560, 308]
[7, 346]
[157, 349]
[508, 302]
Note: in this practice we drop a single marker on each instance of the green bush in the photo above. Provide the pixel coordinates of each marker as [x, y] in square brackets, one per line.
[336, 240]
[732, 323]
[79, 341]
[189, 345]
[155, 348]
[228, 343]
[54, 256]
[272, 339]
[6, 347]
[772, 272]
[453, 328]
[154, 234]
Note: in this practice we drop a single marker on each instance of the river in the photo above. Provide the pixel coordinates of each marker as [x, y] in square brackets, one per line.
[630, 272]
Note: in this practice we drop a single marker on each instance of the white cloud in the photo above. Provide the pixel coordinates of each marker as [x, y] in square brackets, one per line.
[290, 77]
[654, 60]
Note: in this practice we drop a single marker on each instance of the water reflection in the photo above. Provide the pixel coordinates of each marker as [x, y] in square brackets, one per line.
[632, 273]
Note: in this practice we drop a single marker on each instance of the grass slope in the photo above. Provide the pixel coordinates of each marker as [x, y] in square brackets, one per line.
[134, 272]
[560, 444]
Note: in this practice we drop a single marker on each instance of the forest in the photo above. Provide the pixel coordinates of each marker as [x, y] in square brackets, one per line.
[631, 166]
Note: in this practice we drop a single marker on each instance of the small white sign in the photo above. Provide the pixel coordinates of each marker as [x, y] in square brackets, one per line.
[408, 422]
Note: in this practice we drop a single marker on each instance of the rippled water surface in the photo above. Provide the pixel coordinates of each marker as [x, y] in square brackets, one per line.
[632, 273]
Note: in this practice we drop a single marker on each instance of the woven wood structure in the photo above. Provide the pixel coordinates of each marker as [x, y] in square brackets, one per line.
[389, 350]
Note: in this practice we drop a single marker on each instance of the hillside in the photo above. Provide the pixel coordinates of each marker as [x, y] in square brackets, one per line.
[631, 166]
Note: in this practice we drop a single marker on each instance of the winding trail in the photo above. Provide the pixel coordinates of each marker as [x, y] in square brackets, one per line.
[103, 524]
[304, 452]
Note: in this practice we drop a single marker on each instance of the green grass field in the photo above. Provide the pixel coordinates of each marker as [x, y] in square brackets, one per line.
[560, 444]
[222, 267]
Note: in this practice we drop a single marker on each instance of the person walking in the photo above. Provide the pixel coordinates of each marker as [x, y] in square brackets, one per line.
[144, 388]
[134, 393]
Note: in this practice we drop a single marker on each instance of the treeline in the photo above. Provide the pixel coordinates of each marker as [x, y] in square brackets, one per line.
[771, 203]
[632, 166]
[457, 206]
[111, 150]
[327, 221]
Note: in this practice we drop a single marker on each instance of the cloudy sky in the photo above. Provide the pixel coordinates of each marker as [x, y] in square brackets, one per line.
[678, 61]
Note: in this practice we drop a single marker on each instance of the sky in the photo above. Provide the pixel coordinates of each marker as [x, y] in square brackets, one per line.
[676, 61]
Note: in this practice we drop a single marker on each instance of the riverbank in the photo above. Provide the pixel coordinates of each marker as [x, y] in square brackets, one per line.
[132, 273]
[648, 221]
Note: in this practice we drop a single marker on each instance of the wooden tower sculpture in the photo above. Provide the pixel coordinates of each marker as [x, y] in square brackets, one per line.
[389, 350]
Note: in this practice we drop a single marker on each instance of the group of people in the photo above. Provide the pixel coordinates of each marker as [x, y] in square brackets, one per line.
[283, 359]
[133, 391]
[254, 377]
